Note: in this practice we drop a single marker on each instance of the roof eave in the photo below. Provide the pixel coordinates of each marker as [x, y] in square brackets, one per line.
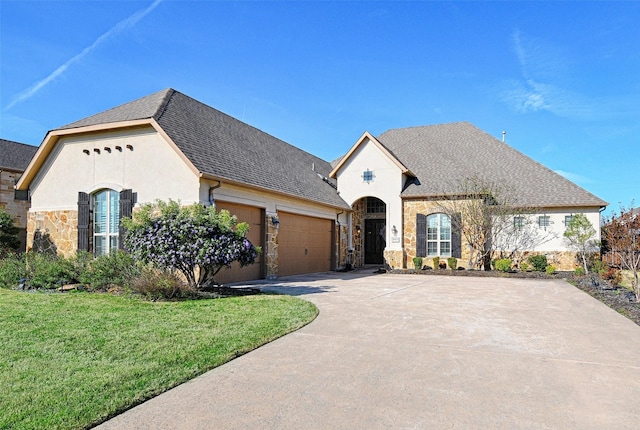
[211, 177]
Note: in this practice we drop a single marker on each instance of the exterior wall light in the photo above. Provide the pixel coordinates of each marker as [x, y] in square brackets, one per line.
[275, 221]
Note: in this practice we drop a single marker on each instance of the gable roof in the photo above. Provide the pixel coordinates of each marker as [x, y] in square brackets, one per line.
[366, 136]
[15, 156]
[442, 155]
[222, 147]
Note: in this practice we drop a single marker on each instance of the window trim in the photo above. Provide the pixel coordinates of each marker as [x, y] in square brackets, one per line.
[112, 223]
[439, 241]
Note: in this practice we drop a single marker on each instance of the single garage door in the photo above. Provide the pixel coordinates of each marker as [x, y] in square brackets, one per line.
[255, 217]
[304, 244]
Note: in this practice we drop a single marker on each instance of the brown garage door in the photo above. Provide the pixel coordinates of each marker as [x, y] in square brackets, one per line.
[255, 217]
[304, 244]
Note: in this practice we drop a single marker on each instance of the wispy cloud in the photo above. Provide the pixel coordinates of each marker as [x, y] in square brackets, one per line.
[541, 67]
[123, 25]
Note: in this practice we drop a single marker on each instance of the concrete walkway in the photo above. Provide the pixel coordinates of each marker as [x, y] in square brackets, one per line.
[422, 352]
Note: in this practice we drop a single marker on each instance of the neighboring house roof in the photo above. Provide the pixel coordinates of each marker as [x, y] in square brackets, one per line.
[15, 156]
[223, 147]
[442, 155]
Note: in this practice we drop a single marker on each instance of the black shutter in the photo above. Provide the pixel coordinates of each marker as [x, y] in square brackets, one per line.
[84, 219]
[421, 235]
[126, 207]
[456, 235]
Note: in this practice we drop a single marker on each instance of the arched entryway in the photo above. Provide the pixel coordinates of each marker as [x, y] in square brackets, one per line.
[369, 230]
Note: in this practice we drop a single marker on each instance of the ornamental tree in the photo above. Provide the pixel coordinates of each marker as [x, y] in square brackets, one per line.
[621, 234]
[581, 237]
[193, 240]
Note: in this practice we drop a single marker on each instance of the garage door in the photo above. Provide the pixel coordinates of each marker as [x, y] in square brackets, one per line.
[255, 217]
[304, 244]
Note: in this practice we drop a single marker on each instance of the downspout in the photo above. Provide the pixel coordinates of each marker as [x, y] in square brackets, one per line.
[212, 201]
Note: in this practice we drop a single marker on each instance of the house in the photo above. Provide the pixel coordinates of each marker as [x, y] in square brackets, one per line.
[88, 174]
[14, 159]
[404, 177]
[375, 205]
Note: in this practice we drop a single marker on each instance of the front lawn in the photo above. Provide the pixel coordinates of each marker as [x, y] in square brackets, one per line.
[74, 360]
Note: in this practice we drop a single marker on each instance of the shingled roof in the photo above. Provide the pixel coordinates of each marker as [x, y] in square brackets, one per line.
[15, 156]
[442, 155]
[226, 148]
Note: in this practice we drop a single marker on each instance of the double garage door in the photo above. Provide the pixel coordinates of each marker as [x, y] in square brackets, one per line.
[304, 244]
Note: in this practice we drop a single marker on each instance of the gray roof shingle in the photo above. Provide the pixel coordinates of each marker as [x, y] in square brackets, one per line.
[220, 145]
[442, 155]
[15, 156]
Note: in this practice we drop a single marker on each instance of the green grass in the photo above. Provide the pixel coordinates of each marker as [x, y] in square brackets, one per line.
[73, 360]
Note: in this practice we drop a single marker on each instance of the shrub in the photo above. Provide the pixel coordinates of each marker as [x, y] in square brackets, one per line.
[193, 240]
[13, 268]
[9, 240]
[452, 262]
[436, 262]
[417, 263]
[503, 265]
[598, 266]
[524, 266]
[550, 269]
[116, 268]
[612, 275]
[48, 270]
[539, 262]
[579, 271]
[160, 284]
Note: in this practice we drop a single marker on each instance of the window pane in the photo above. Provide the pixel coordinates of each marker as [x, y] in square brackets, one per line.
[114, 211]
[113, 243]
[432, 233]
[445, 233]
[100, 213]
[445, 249]
[99, 245]
[432, 248]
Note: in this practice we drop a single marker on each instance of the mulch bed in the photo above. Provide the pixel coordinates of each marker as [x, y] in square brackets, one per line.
[620, 299]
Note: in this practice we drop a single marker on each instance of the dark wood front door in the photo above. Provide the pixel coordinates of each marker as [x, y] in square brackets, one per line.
[374, 242]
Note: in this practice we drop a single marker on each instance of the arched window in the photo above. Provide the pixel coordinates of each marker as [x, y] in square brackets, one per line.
[106, 221]
[439, 235]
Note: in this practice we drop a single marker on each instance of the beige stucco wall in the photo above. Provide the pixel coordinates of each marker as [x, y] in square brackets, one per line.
[144, 163]
[386, 185]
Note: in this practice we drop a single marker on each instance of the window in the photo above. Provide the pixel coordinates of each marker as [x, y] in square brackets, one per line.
[439, 235]
[106, 221]
[375, 206]
[367, 176]
[518, 222]
[568, 219]
[544, 221]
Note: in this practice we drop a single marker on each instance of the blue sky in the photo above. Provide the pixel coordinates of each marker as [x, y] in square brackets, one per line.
[561, 78]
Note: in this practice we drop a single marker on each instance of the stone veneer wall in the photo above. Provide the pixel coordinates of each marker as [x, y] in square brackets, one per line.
[411, 209]
[53, 232]
[18, 209]
[343, 245]
[271, 249]
[357, 219]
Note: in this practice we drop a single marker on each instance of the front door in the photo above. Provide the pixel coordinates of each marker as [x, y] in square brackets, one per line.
[374, 241]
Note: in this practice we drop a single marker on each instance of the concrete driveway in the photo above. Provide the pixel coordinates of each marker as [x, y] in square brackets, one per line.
[422, 352]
